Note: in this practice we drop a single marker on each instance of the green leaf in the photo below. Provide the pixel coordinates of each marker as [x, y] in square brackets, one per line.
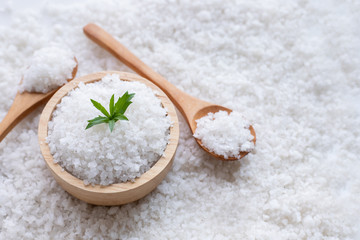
[123, 102]
[97, 120]
[111, 105]
[111, 125]
[120, 116]
[116, 110]
[100, 107]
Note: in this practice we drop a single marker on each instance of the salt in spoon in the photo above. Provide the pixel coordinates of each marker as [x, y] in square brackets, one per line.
[190, 107]
[23, 104]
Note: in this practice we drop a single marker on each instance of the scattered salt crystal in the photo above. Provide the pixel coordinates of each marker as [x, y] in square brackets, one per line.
[97, 155]
[50, 68]
[284, 49]
[225, 134]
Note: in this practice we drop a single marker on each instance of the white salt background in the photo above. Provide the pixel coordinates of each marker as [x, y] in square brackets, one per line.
[292, 67]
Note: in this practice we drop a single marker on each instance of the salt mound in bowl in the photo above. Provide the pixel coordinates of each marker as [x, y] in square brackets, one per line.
[119, 193]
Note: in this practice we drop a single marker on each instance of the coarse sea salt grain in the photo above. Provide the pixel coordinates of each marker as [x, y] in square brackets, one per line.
[293, 66]
[97, 155]
[50, 67]
[225, 134]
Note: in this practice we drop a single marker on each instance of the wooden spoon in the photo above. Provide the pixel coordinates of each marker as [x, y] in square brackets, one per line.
[24, 103]
[190, 107]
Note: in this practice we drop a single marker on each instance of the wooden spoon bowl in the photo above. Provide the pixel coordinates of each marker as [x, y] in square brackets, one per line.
[25, 103]
[120, 193]
[202, 112]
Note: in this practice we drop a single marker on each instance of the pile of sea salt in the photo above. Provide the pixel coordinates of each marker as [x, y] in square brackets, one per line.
[50, 67]
[97, 155]
[225, 134]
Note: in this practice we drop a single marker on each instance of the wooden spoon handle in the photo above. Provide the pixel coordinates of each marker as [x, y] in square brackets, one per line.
[11, 119]
[182, 100]
[23, 105]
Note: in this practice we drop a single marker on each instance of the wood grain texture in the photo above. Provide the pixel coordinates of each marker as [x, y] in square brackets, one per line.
[190, 107]
[115, 194]
[23, 104]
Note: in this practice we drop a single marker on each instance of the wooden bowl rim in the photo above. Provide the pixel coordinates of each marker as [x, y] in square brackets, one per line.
[159, 166]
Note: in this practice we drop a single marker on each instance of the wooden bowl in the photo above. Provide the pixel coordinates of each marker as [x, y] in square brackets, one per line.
[120, 193]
